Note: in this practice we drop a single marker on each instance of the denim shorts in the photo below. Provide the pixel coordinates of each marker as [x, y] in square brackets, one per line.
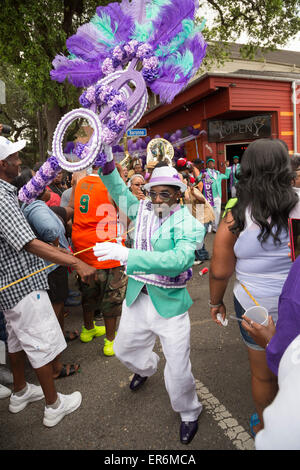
[248, 340]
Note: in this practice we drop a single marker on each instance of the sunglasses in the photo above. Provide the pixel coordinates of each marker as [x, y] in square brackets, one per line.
[164, 195]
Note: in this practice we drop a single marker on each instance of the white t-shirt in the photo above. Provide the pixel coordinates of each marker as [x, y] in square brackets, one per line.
[262, 269]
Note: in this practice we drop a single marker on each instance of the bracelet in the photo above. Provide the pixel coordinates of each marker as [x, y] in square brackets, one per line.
[215, 306]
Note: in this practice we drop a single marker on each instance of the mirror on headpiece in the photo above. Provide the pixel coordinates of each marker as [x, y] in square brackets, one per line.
[160, 150]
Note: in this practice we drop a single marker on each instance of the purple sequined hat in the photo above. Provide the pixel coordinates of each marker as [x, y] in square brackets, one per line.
[165, 176]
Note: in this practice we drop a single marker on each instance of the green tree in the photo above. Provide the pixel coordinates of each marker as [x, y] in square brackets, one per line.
[267, 25]
[18, 113]
[32, 33]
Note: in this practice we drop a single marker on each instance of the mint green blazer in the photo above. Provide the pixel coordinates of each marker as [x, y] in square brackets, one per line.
[217, 183]
[174, 244]
[237, 171]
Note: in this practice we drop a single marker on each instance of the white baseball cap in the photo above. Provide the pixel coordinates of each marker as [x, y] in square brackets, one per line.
[7, 147]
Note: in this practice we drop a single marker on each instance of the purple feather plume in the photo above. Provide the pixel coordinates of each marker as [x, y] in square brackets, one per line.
[121, 23]
[60, 60]
[113, 26]
[78, 72]
[136, 9]
[169, 22]
[197, 46]
[85, 49]
[166, 86]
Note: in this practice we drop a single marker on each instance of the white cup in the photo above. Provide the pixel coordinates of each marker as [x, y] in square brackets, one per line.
[258, 314]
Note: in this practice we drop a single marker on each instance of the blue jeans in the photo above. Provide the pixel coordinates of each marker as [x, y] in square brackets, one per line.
[202, 254]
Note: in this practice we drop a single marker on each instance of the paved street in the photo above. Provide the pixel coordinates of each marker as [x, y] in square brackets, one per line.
[112, 417]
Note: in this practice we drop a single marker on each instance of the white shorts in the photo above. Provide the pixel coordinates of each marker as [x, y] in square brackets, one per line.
[217, 212]
[32, 326]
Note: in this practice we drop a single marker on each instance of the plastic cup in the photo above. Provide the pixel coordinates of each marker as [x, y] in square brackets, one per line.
[258, 314]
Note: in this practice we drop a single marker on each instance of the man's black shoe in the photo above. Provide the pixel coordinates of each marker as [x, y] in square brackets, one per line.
[188, 430]
[137, 382]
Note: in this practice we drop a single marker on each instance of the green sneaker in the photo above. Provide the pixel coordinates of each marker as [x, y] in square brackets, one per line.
[108, 348]
[87, 335]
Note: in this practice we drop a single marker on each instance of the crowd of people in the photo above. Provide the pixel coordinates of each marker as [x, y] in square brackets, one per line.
[132, 235]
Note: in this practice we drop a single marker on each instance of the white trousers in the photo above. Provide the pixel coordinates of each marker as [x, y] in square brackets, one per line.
[217, 211]
[140, 324]
[32, 326]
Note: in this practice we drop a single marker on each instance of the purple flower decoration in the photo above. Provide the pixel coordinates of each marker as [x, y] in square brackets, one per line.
[144, 50]
[118, 53]
[84, 101]
[38, 183]
[107, 66]
[100, 160]
[119, 106]
[108, 136]
[90, 94]
[79, 149]
[116, 124]
[150, 75]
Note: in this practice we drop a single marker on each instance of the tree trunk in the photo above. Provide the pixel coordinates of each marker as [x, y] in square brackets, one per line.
[52, 116]
[40, 135]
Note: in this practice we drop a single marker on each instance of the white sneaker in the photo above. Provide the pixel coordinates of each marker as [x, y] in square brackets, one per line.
[33, 393]
[4, 391]
[68, 404]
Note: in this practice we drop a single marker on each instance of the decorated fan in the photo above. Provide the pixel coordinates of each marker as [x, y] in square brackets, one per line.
[125, 48]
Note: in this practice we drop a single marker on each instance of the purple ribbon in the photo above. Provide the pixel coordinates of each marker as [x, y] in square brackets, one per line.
[207, 187]
[164, 179]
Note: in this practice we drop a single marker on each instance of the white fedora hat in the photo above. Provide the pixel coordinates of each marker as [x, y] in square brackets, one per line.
[165, 176]
[7, 147]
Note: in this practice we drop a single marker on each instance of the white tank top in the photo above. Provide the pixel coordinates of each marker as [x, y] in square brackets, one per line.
[262, 268]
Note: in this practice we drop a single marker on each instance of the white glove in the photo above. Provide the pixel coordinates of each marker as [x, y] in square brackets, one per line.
[108, 250]
[108, 153]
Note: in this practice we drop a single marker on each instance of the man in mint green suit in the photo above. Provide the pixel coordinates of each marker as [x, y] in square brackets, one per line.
[214, 178]
[233, 172]
[157, 301]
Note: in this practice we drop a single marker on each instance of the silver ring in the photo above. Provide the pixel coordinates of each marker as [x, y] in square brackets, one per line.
[251, 323]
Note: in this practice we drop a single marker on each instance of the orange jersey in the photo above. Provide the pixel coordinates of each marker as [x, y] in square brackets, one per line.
[95, 220]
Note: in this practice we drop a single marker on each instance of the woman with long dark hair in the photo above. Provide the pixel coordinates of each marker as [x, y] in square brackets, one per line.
[252, 242]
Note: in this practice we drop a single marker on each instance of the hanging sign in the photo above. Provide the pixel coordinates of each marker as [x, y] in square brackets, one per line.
[254, 127]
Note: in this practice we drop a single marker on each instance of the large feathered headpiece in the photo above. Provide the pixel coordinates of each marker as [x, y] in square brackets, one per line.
[162, 34]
